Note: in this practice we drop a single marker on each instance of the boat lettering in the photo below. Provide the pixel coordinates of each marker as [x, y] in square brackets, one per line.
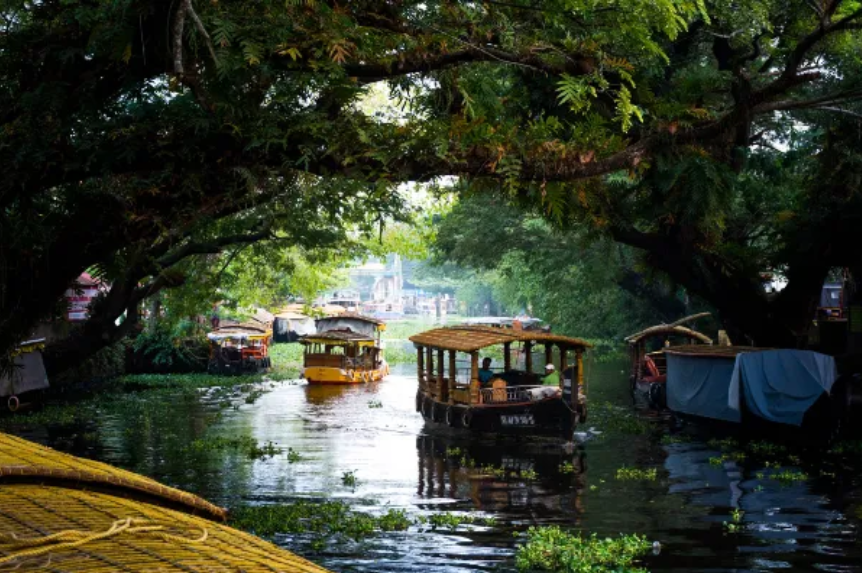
[517, 420]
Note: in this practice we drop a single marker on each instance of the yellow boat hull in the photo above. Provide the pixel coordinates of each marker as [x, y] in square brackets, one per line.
[326, 375]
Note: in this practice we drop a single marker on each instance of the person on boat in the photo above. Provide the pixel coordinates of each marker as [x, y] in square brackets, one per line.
[485, 372]
[552, 377]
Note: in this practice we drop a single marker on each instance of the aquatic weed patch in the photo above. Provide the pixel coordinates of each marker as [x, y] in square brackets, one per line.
[552, 549]
[325, 519]
[614, 418]
[636, 474]
[245, 445]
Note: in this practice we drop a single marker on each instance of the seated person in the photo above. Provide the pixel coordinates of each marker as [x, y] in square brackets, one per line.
[552, 377]
[550, 385]
[485, 373]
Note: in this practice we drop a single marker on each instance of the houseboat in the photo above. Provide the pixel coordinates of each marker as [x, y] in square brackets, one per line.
[289, 325]
[345, 350]
[648, 368]
[241, 348]
[513, 400]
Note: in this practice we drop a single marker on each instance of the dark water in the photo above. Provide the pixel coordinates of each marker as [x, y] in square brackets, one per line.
[810, 525]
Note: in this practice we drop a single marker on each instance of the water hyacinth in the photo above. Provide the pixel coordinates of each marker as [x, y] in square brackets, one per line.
[552, 549]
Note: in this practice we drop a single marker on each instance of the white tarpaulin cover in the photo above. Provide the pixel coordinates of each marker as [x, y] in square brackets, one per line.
[781, 385]
[28, 374]
[699, 385]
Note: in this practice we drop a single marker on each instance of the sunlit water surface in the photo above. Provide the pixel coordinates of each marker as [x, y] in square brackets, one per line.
[810, 525]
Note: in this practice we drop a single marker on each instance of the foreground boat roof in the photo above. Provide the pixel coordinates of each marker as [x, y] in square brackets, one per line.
[472, 338]
[72, 515]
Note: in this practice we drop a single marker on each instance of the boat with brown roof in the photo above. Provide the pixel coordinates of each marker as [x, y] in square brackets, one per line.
[514, 400]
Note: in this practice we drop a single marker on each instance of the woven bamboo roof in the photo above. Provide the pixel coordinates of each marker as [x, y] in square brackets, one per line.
[472, 338]
[712, 351]
[24, 460]
[65, 514]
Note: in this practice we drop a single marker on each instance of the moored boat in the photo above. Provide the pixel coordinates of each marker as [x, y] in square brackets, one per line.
[512, 401]
[648, 366]
[239, 349]
[345, 350]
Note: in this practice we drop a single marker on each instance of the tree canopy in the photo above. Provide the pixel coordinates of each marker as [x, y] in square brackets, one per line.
[140, 123]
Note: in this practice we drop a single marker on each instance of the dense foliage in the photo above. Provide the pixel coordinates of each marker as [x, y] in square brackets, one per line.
[135, 132]
[516, 262]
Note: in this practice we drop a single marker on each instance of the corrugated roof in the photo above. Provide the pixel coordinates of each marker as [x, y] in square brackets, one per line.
[471, 338]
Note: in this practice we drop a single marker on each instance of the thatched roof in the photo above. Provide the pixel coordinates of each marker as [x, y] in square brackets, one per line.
[472, 338]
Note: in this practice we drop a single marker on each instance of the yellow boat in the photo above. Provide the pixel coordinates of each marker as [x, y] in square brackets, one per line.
[64, 514]
[345, 350]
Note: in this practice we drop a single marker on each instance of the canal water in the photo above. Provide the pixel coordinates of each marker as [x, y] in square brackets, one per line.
[712, 504]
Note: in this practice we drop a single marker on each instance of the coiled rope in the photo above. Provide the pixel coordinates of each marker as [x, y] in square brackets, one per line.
[35, 546]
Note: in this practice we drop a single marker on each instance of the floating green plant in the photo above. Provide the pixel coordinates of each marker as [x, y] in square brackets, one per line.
[567, 468]
[453, 452]
[552, 549]
[631, 474]
[245, 445]
[349, 479]
[293, 456]
[375, 404]
[789, 476]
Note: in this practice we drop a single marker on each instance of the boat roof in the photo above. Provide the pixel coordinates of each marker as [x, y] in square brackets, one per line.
[712, 351]
[290, 315]
[500, 320]
[667, 330]
[240, 331]
[467, 338]
[336, 336]
[353, 316]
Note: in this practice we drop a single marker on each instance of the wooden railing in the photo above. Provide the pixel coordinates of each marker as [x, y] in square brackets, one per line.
[506, 394]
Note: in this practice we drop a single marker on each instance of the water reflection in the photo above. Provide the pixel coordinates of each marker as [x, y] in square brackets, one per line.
[403, 463]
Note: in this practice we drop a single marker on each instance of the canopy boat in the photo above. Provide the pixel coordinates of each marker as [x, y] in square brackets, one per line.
[26, 374]
[345, 350]
[68, 515]
[646, 356]
[239, 349]
[290, 326]
[513, 401]
[756, 386]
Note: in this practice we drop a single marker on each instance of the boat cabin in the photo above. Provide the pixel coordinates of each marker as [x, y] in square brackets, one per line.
[239, 349]
[514, 398]
[344, 350]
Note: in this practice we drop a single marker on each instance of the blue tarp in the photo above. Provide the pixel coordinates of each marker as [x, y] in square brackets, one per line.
[780, 385]
[699, 385]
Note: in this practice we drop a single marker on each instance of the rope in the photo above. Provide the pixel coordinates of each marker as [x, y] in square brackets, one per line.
[73, 538]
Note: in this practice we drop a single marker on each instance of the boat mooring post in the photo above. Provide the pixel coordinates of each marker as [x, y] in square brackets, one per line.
[528, 356]
[549, 353]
